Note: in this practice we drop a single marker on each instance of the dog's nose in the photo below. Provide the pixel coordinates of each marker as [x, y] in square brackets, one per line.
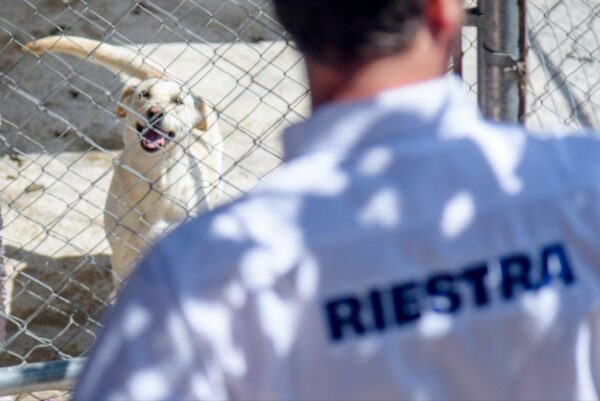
[154, 114]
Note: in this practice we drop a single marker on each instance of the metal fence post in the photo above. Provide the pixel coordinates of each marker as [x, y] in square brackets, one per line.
[500, 64]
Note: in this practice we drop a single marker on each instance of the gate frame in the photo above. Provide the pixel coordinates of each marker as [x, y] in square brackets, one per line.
[501, 58]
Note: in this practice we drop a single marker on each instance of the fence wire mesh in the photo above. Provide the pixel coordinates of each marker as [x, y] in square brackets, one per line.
[564, 63]
[61, 140]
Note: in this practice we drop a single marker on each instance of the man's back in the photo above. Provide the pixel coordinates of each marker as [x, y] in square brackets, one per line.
[407, 249]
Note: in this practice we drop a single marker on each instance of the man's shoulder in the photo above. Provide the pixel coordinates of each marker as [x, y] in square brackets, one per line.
[537, 159]
[226, 243]
[571, 156]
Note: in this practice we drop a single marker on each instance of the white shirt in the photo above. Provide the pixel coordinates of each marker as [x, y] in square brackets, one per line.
[408, 249]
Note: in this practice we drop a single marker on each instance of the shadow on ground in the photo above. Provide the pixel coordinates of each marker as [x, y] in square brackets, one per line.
[54, 304]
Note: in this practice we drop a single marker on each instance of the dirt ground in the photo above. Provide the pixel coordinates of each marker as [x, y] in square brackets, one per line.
[59, 134]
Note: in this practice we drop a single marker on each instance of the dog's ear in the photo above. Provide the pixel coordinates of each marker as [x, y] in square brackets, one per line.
[121, 111]
[202, 123]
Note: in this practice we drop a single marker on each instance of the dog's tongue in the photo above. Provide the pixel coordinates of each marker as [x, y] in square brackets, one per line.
[154, 139]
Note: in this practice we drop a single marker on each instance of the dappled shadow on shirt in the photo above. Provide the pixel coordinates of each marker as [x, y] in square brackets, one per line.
[233, 304]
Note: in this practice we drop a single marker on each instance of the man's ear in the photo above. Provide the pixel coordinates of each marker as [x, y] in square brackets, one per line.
[446, 16]
[202, 123]
[121, 111]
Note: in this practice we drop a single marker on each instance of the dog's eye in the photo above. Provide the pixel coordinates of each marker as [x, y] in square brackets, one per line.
[145, 94]
[177, 100]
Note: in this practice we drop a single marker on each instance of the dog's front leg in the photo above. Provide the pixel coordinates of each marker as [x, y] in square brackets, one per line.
[126, 252]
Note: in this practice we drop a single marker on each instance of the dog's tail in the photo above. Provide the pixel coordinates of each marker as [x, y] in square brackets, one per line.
[119, 59]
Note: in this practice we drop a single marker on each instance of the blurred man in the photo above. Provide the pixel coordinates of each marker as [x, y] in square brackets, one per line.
[407, 249]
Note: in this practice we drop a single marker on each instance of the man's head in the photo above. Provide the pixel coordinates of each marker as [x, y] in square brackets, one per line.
[371, 44]
[339, 32]
[351, 30]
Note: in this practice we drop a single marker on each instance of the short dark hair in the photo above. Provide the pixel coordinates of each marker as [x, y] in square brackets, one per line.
[341, 31]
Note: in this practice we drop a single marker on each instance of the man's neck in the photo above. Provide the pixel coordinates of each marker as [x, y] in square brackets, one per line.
[332, 85]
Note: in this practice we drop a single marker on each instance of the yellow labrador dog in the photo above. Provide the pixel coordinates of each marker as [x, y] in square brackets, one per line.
[171, 166]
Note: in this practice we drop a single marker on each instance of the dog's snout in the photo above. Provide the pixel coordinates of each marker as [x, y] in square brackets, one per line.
[154, 114]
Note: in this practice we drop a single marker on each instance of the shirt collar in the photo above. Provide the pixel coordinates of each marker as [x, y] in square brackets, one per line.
[424, 107]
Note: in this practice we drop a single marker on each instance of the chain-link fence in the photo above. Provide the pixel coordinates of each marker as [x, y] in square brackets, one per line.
[564, 63]
[62, 144]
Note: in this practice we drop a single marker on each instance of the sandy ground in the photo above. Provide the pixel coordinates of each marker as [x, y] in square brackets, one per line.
[59, 133]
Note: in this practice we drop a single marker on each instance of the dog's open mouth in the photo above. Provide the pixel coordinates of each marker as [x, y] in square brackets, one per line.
[153, 138]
